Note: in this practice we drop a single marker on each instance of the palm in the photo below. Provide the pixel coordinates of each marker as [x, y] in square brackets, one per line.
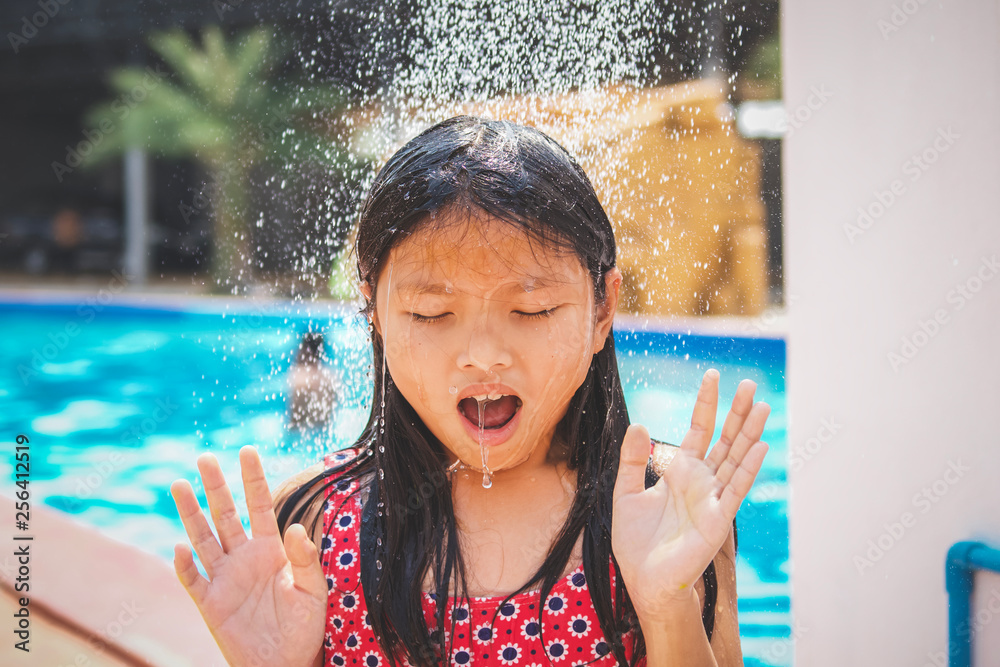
[242, 613]
[665, 536]
[265, 601]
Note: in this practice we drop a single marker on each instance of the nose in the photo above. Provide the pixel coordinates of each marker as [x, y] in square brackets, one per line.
[487, 349]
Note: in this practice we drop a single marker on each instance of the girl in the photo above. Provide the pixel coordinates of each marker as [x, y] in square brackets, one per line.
[496, 509]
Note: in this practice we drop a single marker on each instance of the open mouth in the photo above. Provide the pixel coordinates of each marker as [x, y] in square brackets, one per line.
[496, 411]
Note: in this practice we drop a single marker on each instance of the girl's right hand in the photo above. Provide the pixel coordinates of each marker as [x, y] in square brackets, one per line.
[264, 600]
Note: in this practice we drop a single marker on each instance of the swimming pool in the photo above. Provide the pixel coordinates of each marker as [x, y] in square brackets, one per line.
[119, 401]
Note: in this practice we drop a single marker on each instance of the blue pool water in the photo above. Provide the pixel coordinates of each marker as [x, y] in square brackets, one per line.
[119, 401]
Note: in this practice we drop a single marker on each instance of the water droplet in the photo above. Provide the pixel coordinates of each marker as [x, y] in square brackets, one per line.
[381, 429]
[483, 449]
[453, 390]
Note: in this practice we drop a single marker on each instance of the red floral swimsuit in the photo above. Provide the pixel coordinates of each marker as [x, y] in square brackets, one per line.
[571, 631]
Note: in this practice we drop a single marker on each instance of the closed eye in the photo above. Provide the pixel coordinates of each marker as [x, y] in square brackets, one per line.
[416, 317]
[539, 315]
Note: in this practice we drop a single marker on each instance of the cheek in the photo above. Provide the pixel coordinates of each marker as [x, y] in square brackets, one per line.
[571, 344]
[414, 357]
[397, 345]
[400, 352]
[423, 348]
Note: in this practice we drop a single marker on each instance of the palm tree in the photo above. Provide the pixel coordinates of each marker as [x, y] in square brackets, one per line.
[222, 105]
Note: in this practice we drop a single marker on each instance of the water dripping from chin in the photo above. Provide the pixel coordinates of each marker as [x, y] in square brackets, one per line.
[483, 449]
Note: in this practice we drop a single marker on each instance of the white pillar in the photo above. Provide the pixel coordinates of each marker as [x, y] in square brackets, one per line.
[891, 175]
[136, 190]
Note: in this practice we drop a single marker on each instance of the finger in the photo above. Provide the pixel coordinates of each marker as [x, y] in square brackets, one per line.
[742, 480]
[196, 526]
[195, 584]
[262, 520]
[742, 402]
[220, 502]
[699, 437]
[632, 462]
[752, 429]
[304, 559]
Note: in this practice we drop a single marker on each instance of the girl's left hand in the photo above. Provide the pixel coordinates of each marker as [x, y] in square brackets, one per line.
[665, 536]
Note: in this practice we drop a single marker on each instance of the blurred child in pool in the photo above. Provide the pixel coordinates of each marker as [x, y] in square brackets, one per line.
[312, 385]
[495, 509]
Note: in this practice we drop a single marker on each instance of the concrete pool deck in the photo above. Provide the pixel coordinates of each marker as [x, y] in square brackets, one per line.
[97, 601]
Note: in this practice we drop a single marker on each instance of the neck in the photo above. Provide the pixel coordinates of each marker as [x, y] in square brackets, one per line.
[506, 530]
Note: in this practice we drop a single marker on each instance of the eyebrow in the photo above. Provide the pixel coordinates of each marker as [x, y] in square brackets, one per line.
[439, 289]
[434, 289]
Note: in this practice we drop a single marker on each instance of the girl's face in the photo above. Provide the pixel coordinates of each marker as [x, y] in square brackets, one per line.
[474, 309]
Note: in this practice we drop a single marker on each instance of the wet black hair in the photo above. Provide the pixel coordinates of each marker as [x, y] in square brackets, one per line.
[523, 177]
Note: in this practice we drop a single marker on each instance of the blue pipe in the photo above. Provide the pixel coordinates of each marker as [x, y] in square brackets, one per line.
[962, 561]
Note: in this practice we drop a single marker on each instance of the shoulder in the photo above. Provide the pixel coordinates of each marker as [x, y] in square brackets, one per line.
[332, 460]
[285, 488]
[310, 503]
